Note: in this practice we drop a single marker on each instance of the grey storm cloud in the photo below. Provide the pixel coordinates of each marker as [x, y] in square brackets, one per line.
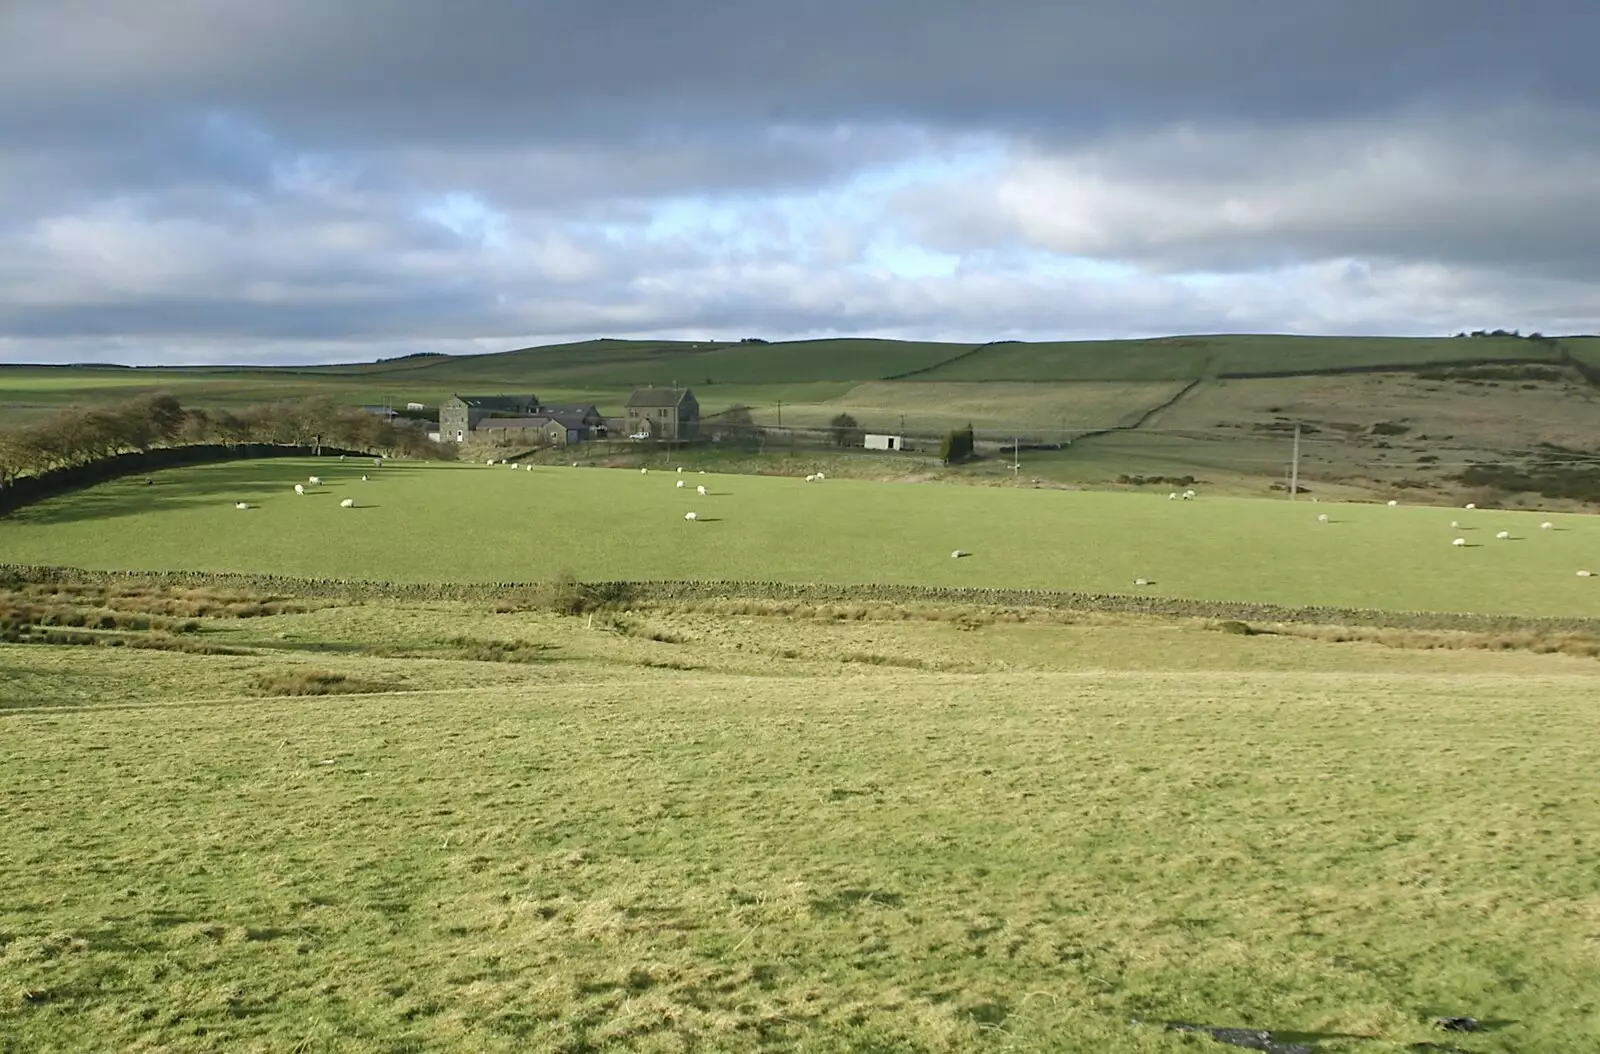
[221, 178]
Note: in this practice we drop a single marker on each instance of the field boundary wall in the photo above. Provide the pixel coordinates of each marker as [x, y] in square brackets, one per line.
[628, 592]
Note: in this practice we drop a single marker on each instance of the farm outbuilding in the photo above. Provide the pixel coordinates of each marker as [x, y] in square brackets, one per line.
[885, 442]
[462, 416]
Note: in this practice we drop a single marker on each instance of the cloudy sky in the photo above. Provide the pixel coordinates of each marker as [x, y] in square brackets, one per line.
[305, 180]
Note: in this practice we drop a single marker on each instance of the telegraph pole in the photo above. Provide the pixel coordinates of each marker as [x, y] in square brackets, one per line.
[1294, 466]
[1016, 463]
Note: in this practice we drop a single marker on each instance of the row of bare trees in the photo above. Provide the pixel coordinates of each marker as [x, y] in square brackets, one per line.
[77, 436]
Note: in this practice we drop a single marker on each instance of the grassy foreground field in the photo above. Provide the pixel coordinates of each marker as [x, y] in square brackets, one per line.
[742, 827]
[417, 522]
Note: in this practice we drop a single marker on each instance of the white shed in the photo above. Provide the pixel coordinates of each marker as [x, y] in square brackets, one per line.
[880, 442]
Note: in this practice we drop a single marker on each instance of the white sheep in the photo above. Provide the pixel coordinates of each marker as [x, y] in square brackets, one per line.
[1140, 582]
[1455, 525]
[377, 462]
[1584, 574]
[241, 505]
[1470, 505]
[680, 470]
[1173, 496]
[348, 503]
[820, 477]
[680, 484]
[691, 517]
[644, 472]
[341, 457]
[1393, 503]
[299, 489]
[701, 490]
[491, 461]
[1502, 535]
[702, 472]
[513, 466]
[1458, 541]
[527, 468]
[363, 479]
[957, 554]
[1189, 495]
[811, 478]
[1322, 518]
[1547, 526]
[316, 481]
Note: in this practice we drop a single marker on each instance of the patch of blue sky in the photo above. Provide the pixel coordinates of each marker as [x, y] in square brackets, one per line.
[753, 220]
[905, 260]
[233, 149]
[468, 217]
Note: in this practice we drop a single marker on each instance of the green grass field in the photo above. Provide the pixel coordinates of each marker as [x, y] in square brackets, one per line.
[933, 406]
[1185, 358]
[436, 522]
[837, 829]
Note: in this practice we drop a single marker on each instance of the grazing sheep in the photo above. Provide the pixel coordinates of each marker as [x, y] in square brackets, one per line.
[680, 484]
[957, 554]
[1458, 541]
[363, 479]
[1455, 525]
[1188, 495]
[377, 462]
[491, 461]
[316, 481]
[1173, 496]
[527, 468]
[298, 489]
[1470, 505]
[1140, 582]
[701, 490]
[513, 466]
[1547, 526]
[691, 517]
[1322, 517]
[680, 470]
[348, 503]
[241, 505]
[644, 472]
[1502, 535]
[702, 472]
[811, 478]
[820, 477]
[1393, 503]
[341, 457]
[1583, 574]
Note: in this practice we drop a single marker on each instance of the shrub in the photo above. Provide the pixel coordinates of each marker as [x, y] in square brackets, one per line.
[568, 596]
[957, 445]
[312, 682]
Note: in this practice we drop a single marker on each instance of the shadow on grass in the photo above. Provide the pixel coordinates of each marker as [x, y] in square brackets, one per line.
[221, 484]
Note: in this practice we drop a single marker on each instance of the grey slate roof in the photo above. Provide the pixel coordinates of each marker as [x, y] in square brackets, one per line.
[500, 402]
[513, 422]
[564, 420]
[647, 397]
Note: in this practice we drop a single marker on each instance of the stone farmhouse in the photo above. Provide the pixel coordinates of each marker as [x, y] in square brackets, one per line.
[517, 419]
[663, 413]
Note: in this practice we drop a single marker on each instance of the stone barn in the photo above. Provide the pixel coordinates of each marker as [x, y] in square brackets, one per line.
[460, 415]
